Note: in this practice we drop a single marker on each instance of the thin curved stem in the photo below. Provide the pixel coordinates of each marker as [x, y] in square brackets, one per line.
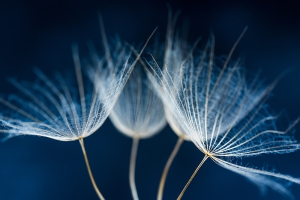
[134, 149]
[192, 177]
[167, 167]
[89, 170]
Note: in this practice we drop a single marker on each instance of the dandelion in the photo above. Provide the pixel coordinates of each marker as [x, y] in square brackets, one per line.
[57, 110]
[139, 114]
[163, 54]
[223, 116]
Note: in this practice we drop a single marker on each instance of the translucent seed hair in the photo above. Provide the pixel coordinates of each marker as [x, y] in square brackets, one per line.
[139, 114]
[224, 115]
[69, 108]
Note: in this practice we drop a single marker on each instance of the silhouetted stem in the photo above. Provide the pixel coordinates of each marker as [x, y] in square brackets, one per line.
[134, 149]
[192, 177]
[167, 167]
[89, 170]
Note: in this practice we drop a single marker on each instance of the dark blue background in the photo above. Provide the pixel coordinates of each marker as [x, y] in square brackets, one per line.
[40, 33]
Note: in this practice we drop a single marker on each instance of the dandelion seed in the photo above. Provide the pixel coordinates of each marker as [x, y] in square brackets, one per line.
[57, 110]
[139, 114]
[165, 55]
[222, 115]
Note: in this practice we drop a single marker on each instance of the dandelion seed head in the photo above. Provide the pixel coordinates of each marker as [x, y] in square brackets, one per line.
[222, 114]
[64, 108]
[138, 111]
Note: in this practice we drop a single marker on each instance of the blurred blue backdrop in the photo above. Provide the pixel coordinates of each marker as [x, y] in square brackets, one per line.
[40, 34]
